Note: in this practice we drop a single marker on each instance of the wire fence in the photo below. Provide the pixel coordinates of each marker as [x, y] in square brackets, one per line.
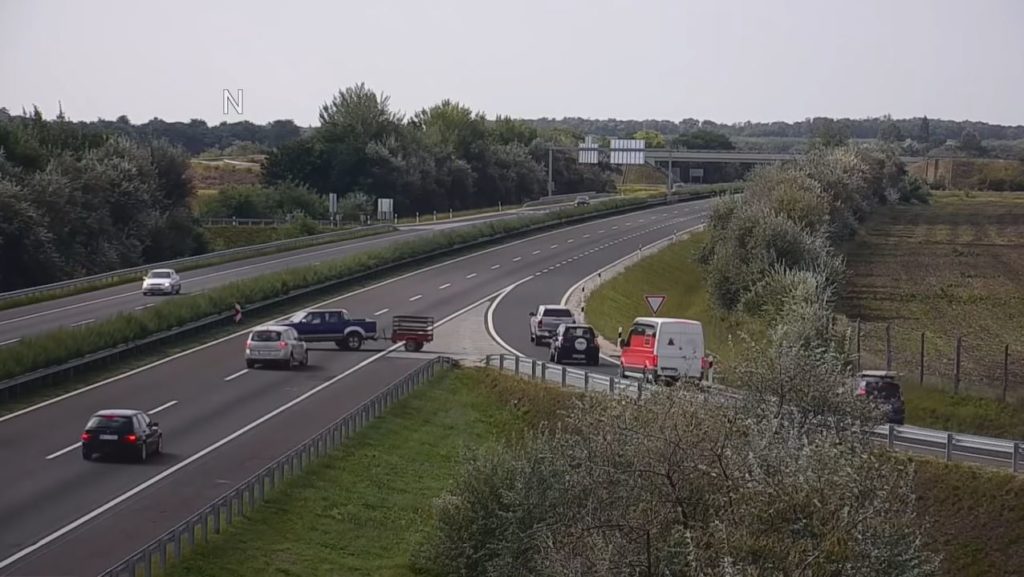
[976, 364]
[241, 500]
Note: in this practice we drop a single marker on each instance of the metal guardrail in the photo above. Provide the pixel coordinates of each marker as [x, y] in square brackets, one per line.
[952, 446]
[15, 385]
[262, 222]
[187, 261]
[244, 497]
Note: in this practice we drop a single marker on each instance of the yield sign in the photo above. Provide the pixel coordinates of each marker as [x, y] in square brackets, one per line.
[655, 302]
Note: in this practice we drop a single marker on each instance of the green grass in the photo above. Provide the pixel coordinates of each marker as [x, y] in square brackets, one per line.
[136, 278]
[672, 272]
[428, 217]
[66, 344]
[363, 509]
[936, 409]
[976, 518]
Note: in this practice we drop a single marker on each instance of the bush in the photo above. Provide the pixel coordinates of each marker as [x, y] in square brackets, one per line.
[254, 201]
[63, 345]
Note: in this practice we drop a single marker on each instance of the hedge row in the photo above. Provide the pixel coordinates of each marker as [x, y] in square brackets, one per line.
[66, 344]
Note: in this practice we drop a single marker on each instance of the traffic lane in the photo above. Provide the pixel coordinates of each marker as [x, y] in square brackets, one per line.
[510, 315]
[391, 292]
[114, 535]
[208, 408]
[87, 308]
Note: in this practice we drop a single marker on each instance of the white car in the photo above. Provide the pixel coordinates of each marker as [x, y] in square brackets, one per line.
[275, 344]
[161, 281]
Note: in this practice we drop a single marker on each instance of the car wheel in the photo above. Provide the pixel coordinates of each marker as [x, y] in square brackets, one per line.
[160, 444]
[290, 362]
[143, 454]
[533, 338]
[354, 341]
[305, 358]
[87, 455]
[249, 363]
[177, 290]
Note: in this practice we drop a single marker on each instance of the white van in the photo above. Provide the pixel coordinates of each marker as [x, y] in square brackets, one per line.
[663, 348]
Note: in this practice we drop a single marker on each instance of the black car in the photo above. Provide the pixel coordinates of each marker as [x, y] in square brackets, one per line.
[575, 342]
[883, 387]
[121, 433]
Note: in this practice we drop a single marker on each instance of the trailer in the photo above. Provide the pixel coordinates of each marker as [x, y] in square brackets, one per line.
[414, 330]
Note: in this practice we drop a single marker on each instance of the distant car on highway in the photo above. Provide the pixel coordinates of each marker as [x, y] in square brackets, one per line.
[884, 388]
[333, 326]
[161, 281]
[546, 321]
[121, 433]
[278, 345]
[575, 342]
[582, 201]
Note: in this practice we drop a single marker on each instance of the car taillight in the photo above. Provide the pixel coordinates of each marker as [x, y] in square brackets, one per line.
[654, 361]
[130, 438]
[86, 437]
[282, 345]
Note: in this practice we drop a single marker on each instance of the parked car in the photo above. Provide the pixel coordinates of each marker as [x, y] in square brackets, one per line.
[884, 388]
[546, 321]
[333, 326]
[121, 433]
[575, 342]
[161, 281]
[278, 345]
[663, 349]
[582, 201]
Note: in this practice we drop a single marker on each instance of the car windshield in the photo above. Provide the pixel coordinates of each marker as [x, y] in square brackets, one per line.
[160, 274]
[559, 313]
[584, 332]
[265, 336]
[117, 423]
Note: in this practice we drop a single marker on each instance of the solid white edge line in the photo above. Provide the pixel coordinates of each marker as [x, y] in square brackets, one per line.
[80, 323]
[184, 463]
[10, 342]
[236, 375]
[325, 303]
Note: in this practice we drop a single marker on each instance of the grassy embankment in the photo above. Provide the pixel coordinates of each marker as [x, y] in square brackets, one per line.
[674, 273]
[953, 267]
[364, 509]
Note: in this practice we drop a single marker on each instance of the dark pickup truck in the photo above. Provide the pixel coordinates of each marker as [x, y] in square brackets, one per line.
[333, 326]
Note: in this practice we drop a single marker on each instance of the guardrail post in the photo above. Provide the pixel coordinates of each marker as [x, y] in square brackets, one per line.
[216, 517]
[564, 374]
[148, 572]
[543, 371]
[449, 214]
[586, 381]
[517, 365]
[949, 447]
[640, 390]
[1015, 458]
[533, 369]
[891, 436]
[162, 556]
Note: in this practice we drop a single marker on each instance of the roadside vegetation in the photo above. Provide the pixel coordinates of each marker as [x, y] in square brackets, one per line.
[63, 345]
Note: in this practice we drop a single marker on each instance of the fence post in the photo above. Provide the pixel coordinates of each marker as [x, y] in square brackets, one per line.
[920, 373]
[888, 346]
[1006, 369]
[858, 345]
[956, 365]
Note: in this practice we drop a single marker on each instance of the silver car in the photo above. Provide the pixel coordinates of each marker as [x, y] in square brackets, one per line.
[274, 344]
[161, 281]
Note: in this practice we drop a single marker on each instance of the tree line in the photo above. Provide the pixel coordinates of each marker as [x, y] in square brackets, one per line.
[444, 157]
[75, 201]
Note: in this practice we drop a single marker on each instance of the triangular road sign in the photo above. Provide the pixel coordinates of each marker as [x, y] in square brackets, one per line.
[655, 302]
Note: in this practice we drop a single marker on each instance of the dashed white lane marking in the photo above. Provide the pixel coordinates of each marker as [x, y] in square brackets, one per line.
[471, 275]
[236, 375]
[600, 232]
[80, 323]
[586, 236]
[10, 342]
[570, 240]
[140, 307]
[615, 227]
[495, 266]
[79, 444]
[535, 252]
[415, 298]
[517, 259]
[380, 312]
[444, 286]
[554, 246]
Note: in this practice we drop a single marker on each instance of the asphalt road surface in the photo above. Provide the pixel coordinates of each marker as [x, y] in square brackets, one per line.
[86, 308]
[65, 516]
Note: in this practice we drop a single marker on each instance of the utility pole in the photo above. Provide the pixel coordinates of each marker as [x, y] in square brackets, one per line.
[551, 184]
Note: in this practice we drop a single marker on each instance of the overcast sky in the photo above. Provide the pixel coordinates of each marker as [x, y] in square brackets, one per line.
[725, 60]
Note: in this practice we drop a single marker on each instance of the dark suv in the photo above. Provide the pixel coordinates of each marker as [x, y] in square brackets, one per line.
[121, 433]
[883, 387]
[575, 342]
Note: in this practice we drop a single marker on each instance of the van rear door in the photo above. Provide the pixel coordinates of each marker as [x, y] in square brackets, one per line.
[680, 349]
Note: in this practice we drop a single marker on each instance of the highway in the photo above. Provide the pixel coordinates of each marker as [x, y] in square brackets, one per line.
[65, 516]
[78, 310]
